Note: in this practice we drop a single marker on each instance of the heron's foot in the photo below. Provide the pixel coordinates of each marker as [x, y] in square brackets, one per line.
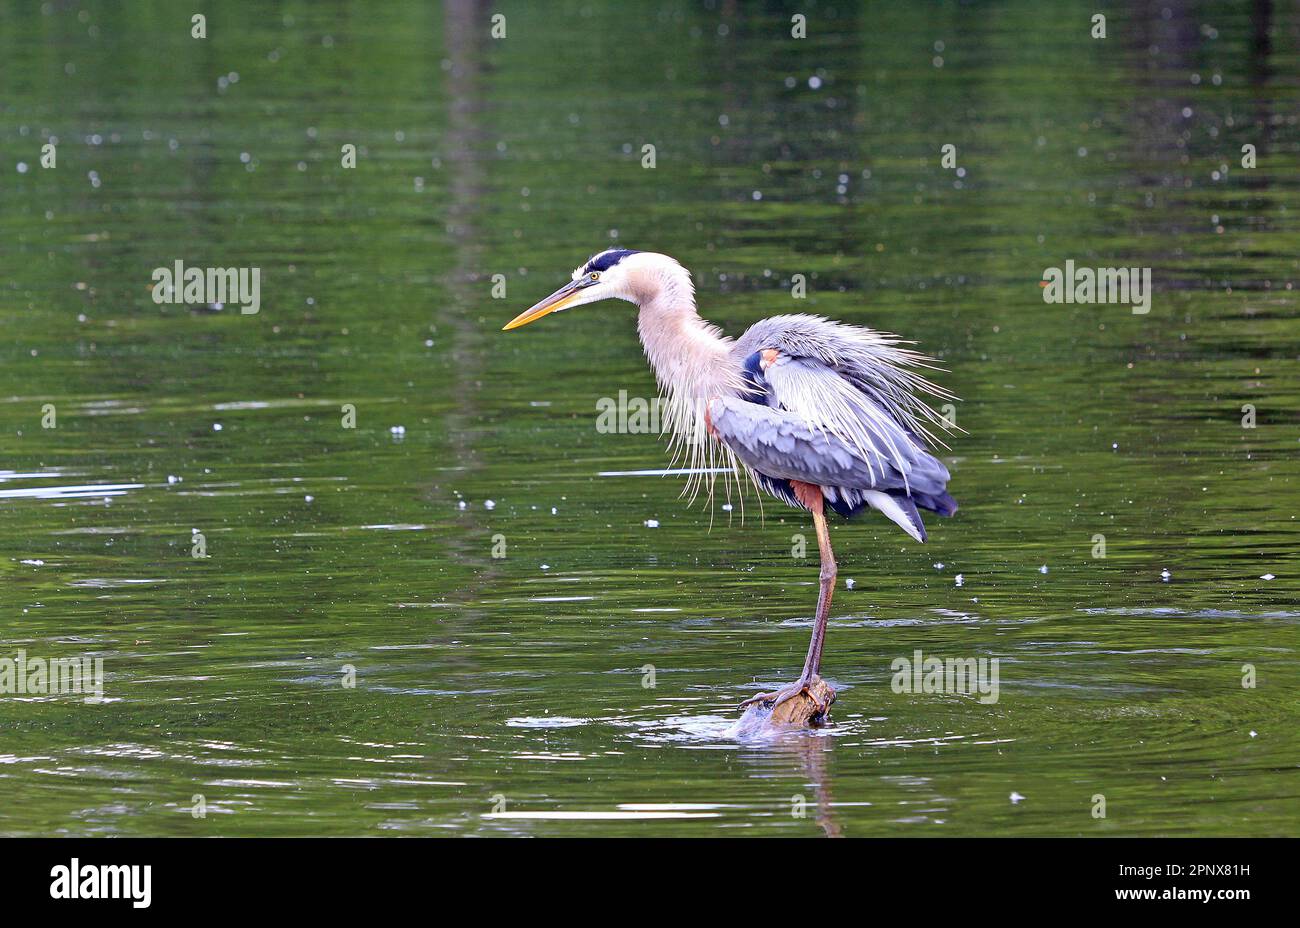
[800, 687]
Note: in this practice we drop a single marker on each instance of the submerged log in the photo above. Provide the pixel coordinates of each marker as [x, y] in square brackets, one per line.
[800, 712]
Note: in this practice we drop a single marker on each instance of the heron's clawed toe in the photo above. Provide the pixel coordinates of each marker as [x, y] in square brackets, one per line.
[755, 700]
[784, 694]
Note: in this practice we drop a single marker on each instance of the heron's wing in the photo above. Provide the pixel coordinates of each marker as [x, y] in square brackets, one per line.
[783, 444]
[875, 364]
[831, 405]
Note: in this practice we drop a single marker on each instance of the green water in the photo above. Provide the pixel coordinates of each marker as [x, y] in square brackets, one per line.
[521, 677]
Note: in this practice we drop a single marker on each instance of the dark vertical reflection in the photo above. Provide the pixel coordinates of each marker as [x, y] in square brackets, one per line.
[1261, 20]
[1168, 34]
[467, 22]
[1259, 72]
[813, 752]
[801, 756]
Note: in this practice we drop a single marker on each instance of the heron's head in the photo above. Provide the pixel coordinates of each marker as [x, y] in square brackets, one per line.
[618, 273]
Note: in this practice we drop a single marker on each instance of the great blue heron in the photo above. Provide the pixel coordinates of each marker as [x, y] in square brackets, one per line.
[818, 413]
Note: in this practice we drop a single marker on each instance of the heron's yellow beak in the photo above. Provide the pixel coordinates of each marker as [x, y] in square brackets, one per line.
[556, 301]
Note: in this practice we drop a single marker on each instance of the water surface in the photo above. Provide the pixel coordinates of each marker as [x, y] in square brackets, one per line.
[506, 695]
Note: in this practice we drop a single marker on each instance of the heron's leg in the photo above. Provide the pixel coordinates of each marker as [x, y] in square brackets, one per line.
[811, 496]
[813, 665]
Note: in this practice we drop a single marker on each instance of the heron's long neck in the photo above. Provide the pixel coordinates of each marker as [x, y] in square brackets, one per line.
[690, 357]
[692, 362]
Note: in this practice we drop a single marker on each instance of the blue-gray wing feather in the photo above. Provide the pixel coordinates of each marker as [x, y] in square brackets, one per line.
[781, 444]
[875, 363]
[836, 406]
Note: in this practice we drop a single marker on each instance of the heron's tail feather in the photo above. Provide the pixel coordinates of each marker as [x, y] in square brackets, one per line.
[941, 502]
[899, 508]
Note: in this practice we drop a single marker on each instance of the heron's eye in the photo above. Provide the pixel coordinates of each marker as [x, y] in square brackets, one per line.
[595, 275]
